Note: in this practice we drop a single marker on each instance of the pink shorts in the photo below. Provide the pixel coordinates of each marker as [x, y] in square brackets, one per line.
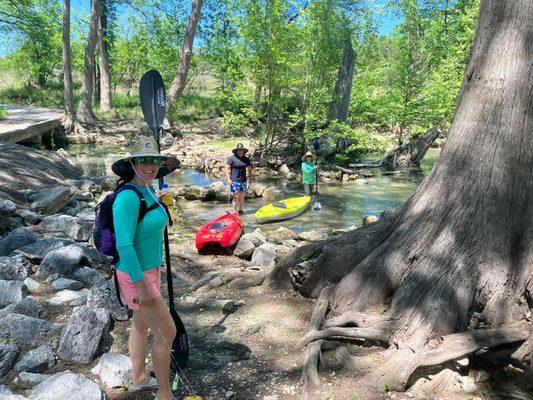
[128, 291]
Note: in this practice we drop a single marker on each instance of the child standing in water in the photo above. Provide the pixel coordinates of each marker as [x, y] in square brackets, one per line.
[309, 168]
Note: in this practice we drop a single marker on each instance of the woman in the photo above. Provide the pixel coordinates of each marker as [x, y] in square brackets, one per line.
[236, 173]
[139, 247]
[309, 168]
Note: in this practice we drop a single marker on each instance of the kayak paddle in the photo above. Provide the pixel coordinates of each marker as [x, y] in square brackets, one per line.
[316, 145]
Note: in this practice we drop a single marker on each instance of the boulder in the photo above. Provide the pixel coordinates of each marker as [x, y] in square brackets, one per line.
[220, 190]
[37, 360]
[8, 356]
[66, 385]
[53, 277]
[15, 268]
[63, 261]
[345, 178]
[32, 285]
[95, 259]
[88, 276]
[30, 217]
[264, 255]
[68, 297]
[342, 231]
[258, 189]
[81, 337]
[49, 200]
[284, 169]
[12, 291]
[8, 224]
[27, 306]
[16, 239]
[195, 192]
[7, 208]
[29, 378]
[75, 228]
[23, 329]
[272, 193]
[369, 219]
[105, 297]
[280, 235]
[290, 243]
[244, 249]
[260, 235]
[113, 369]
[65, 283]
[312, 236]
[282, 250]
[7, 394]
[35, 252]
[292, 176]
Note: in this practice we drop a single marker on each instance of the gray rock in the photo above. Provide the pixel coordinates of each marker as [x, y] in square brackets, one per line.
[195, 192]
[290, 243]
[8, 356]
[75, 228]
[53, 277]
[342, 231]
[37, 360]
[113, 369]
[32, 285]
[260, 235]
[282, 250]
[264, 255]
[468, 385]
[8, 224]
[14, 268]
[35, 252]
[104, 297]
[63, 261]
[23, 329]
[7, 208]
[66, 385]
[31, 217]
[88, 276]
[16, 239]
[27, 306]
[272, 193]
[49, 200]
[256, 241]
[12, 291]
[65, 283]
[82, 335]
[312, 236]
[284, 169]
[95, 259]
[244, 249]
[281, 234]
[292, 176]
[68, 297]
[32, 379]
[369, 219]
[7, 394]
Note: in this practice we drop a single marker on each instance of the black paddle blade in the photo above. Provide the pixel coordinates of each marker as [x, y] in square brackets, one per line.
[153, 99]
[180, 346]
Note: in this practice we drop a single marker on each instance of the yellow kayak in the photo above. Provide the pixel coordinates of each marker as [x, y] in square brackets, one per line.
[283, 209]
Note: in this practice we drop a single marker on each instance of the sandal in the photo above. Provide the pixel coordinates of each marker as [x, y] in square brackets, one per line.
[150, 384]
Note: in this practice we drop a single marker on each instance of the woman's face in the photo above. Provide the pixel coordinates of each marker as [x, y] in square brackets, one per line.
[147, 167]
[240, 153]
[309, 159]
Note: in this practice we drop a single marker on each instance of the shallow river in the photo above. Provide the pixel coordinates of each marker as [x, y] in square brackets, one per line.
[343, 204]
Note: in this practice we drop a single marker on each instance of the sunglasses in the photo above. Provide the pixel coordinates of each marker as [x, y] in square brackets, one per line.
[148, 160]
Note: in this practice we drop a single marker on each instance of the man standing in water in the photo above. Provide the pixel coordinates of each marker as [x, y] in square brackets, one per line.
[238, 165]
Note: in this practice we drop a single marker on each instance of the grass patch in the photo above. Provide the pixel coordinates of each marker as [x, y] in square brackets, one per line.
[195, 106]
[227, 144]
[50, 96]
[3, 114]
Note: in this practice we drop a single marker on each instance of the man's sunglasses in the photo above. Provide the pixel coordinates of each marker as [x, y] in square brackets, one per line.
[148, 160]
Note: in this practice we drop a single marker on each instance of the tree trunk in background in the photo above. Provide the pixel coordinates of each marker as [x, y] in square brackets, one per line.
[459, 253]
[70, 115]
[105, 71]
[178, 84]
[257, 97]
[340, 106]
[85, 110]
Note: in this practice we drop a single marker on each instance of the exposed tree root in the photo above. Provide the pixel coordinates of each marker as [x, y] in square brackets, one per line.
[313, 352]
[397, 371]
[234, 278]
[353, 363]
[359, 319]
[378, 334]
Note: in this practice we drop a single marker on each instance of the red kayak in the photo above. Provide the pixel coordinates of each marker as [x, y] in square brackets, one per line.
[222, 232]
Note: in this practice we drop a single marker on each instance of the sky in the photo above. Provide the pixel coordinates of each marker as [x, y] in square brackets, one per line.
[80, 7]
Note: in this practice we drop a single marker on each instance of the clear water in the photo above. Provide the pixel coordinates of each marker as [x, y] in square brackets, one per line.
[343, 204]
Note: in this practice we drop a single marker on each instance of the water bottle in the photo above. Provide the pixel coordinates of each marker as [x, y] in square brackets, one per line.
[166, 198]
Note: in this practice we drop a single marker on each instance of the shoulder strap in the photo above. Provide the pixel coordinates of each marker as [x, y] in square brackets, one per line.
[143, 209]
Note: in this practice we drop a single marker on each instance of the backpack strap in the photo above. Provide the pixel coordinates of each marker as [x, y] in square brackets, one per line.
[143, 208]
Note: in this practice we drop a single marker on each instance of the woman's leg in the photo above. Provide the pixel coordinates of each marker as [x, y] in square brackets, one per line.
[241, 200]
[158, 318]
[138, 345]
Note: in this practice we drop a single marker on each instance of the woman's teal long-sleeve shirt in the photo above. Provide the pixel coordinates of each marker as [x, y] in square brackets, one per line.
[139, 246]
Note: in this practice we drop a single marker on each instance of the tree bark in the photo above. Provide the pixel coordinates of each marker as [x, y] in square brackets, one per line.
[460, 250]
[103, 57]
[70, 116]
[85, 110]
[178, 84]
[340, 106]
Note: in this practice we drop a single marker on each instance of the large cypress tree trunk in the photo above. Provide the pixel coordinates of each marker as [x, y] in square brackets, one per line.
[70, 116]
[85, 110]
[178, 84]
[459, 253]
[103, 57]
[340, 106]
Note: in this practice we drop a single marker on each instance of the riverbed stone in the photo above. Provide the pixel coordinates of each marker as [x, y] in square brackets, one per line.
[36, 251]
[94, 258]
[105, 297]
[66, 385]
[70, 226]
[63, 261]
[53, 277]
[82, 335]
[282, 250]
[66, 283]
[31, 378]
[49, 200]
[260, 235]
[7, 208]
[16, 239]
[272, 193]
[11, 291]
[280, 235]
[264, 255]
[27, 306]
[8, 357]
[369, 219]
[88, 276]
[14, 268]
[66, 297]
[38, 360]
[23, 329]
[7, 394]
[31, 217]
[256, 241]
[284, 169]
[312, 236]
[195, 192]
[32, 285]
[342, 231]
[244, 249]
[113, 369]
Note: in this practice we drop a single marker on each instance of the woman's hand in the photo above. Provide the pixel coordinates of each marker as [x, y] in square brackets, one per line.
[229, 182]
[144, 298]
